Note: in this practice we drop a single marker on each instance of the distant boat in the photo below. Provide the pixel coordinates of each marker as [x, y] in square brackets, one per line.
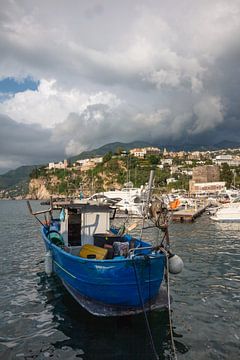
[228, 212]
[133, 205]
[128, 200]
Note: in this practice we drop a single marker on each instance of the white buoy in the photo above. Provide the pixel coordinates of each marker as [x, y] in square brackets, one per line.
[175, 264]
[48, 263]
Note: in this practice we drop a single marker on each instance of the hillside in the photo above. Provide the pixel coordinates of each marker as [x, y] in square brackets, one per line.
[113, 173]
[112, 147]
[13, 177]
[15, 182]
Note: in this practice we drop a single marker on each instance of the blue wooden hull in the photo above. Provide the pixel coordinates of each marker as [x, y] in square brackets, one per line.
[118, 282]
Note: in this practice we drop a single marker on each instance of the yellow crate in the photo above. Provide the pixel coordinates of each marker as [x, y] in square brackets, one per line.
[89, 249]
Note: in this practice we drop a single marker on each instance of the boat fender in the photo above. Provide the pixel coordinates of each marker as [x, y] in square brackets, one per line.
[48, 263]
[175, 264]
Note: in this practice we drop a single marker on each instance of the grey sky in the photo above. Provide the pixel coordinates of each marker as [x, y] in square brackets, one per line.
[158, 71]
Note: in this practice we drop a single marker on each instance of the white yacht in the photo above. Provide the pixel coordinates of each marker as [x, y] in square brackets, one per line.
[228, 212]
[133, 206]
[128, 200]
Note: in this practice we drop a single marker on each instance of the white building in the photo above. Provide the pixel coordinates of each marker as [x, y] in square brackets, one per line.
[82, 162]
[174, 169]
[87, 164]
[59, 165]
[96, 160]
[142, 152]
[227, 159]
[187, 172]
[138, 152]
[167, 161]
[206, 188]
[171, 180]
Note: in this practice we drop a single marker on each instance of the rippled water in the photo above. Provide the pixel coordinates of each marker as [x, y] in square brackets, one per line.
[39, 320]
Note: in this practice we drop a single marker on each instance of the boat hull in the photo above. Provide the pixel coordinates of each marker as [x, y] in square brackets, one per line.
[225, 219]
[228, 213]
[160, 302]
[118, 282]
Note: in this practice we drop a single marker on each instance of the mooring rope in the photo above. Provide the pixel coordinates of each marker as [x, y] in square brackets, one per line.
[145, 313]
[169, 303]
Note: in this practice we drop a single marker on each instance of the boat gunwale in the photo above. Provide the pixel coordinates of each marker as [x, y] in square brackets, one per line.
[95, 261]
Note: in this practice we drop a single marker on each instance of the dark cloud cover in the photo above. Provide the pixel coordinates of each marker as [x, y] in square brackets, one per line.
[166, 72]
[22, 144]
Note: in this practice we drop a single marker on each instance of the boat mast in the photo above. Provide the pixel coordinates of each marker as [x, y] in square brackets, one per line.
[149, 193]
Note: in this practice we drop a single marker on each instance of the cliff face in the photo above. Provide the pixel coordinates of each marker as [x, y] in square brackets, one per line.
[38, 190]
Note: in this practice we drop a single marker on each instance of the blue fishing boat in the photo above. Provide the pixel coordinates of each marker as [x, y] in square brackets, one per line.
[107, 272]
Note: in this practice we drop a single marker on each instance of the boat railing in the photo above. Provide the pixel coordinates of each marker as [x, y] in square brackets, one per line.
[132, 251]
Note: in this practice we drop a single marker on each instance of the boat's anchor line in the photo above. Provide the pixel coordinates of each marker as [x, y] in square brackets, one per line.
[169, 303]
[144, 311]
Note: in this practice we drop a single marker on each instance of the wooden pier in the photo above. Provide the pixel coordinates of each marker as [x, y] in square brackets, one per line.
[188, 215]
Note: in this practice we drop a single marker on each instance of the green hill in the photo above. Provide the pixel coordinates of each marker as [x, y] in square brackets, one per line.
[13, 177]
[107, 148]
[15, 182]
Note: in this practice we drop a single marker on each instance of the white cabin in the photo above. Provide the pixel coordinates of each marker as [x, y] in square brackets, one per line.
[82, 221]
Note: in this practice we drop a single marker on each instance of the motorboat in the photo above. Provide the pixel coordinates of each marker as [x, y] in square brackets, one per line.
[132, 206]
[229, 212]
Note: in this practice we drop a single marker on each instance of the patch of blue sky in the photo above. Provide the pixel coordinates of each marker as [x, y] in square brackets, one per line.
[10, 86]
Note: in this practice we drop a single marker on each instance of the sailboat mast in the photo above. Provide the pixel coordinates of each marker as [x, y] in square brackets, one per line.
[149, 192]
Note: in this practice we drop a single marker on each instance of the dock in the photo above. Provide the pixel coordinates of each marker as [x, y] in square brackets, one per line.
[188, 215]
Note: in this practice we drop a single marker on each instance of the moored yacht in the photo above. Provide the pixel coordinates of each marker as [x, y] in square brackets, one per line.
[228, 212]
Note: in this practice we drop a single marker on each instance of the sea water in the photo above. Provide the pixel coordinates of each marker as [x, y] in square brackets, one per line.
[40, 320]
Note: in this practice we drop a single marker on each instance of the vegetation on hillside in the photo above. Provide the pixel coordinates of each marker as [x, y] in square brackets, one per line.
[115, 170]
[13, 177]
[112, 173]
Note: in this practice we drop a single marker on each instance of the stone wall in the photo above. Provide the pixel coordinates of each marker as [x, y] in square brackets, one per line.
[206, 173]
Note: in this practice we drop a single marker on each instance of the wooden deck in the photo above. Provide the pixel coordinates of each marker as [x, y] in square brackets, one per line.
[188, 215]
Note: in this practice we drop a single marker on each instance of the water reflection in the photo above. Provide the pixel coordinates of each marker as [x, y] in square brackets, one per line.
[105, 338]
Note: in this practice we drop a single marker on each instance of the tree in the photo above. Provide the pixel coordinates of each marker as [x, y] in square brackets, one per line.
[226, 175]
[153, 159]
[119, 150]
[107, 157]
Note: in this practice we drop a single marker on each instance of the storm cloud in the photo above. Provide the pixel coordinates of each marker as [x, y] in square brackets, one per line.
[120, 71]
[23, 144]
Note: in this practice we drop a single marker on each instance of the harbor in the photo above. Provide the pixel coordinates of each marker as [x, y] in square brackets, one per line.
[119, 180]
[40, 319]
[189, 215]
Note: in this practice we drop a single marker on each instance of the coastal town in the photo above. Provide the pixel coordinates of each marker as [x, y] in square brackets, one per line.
[119, 180]
[196, 173]
[204, 169]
